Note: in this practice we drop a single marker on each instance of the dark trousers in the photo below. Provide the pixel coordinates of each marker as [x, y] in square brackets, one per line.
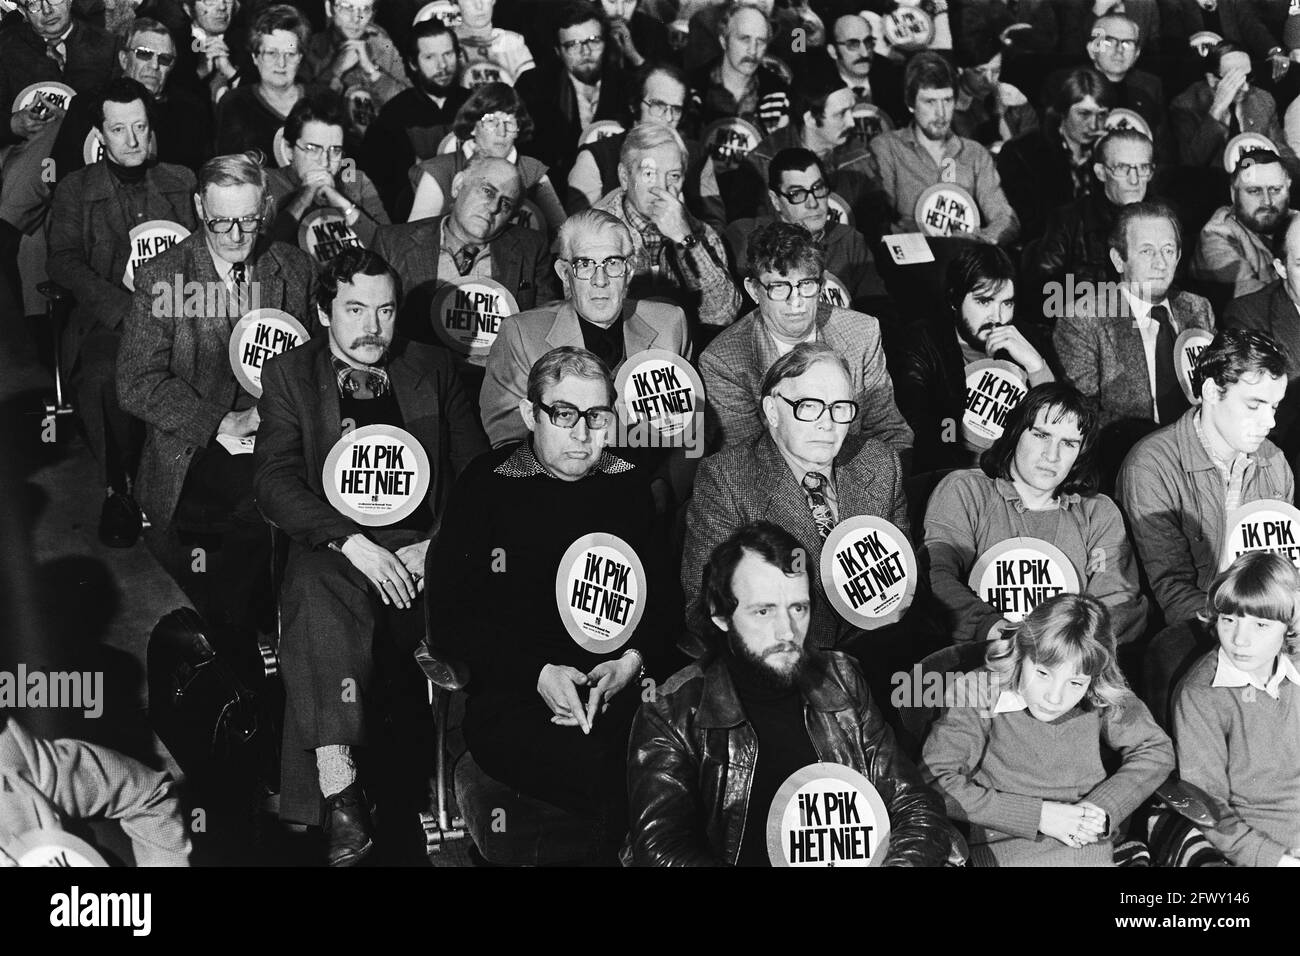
[1171, 655]
[115, 438]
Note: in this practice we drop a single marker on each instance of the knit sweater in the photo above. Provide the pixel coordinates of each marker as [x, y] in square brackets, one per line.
[994, 771]
[970, 512]
[1242, 747]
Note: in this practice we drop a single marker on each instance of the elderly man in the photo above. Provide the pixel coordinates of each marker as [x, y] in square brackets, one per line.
[475, 238]
[710, 751]
[89, 240]
[673, 253]
[926, 153]
[785, 278]
[872, 78]
[346, 584]
[737, 83]
[548, 716]
[217, 51]
[196, 474]
[1118, 349]
[596, 314]
[1238, 243]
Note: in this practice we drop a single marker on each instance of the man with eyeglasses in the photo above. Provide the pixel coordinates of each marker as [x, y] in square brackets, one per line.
[354, 53]
[785, 278]
[659, 97]
[195, 481]
[1235, 253]
[547, 715]
[347, 587]
[872, 78]
[737, 83]
[596, 314]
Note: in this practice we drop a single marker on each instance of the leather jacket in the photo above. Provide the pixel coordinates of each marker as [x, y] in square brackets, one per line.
[692, 752]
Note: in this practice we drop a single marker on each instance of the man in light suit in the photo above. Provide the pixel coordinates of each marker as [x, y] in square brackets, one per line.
[1106, 341]
[596, 314]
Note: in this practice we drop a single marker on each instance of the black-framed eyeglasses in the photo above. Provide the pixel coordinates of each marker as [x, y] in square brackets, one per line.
[1125, 170]
[314, 149]
[812, 409]
[247, 225]
[146, 55]
[780, 291]
[564, 415]
[588, 44]
[856, 44]
[664, 109]
[30, 5]
[799, 194]
[615, 267]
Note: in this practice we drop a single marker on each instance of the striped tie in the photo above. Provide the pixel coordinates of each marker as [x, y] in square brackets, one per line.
[814, 484]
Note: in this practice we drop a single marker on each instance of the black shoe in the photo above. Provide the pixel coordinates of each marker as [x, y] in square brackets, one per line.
[119, 521]
[347, 826]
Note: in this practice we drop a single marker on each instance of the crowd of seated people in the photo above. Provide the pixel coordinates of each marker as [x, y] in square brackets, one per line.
[479, 219]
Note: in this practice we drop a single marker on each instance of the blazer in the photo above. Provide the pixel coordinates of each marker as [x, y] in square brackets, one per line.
[735, 362]
[1271, 311]
[753, 482]
[526, 337]
[301, 423]
[23, 61]
[173, 371]
[520, 261]
[552, 102]
[87, 235]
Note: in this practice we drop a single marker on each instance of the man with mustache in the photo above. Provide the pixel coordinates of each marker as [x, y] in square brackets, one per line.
[737, 83]
[410, 126]
[709, 752]
[872, 78]
[346, 586]
[1238, 242]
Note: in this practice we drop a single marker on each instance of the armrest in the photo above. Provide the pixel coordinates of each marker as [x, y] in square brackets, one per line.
[53, 291]
[1188, 801]
[448, 674]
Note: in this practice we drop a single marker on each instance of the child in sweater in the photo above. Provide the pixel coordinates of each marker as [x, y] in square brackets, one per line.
[1237, 713]
[1018, 751]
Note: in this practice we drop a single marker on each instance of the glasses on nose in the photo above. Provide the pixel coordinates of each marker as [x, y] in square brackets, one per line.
[146, 55]
[314, 150]
[1110, 44]
[282, 56]
[43, 5]
[865, 43]
[614, 267]
[780, 291]
[798, 195]
[564, 415]
[356, 12]
[812, 409]
[215, 4]
[587, 45]
[247, 225]
[501, 122]
[1125, 170]
[660, 108]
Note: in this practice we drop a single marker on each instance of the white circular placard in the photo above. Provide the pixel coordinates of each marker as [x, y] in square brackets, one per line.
[601, 129]
[92, 148]
[1128, 119]
[600, 591]
[483, 72]
[376, 475]
[827, 814]
[1018, 574]
[1187, 350]
[728, 141]
[59, 94]
[868, 571]
[324, 233]
[1204, 41]
[665, 392]
[466, 314]
[147, 240]
[448, 11]
[870, 120]
[833, 292]
[993, 388]
[54, 848]
[1264, 525]
[361, 108]
[1242, 142]
[908, 29]
[258, 336]
[837, 210]
[281, 151]
[529, 215]
[946, 209]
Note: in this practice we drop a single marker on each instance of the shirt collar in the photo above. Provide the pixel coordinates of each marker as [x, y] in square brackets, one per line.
[1141, 308]
[1228, 466]
[524, 464]
[634, 219]
[1007, 490]
[1008, 702]
[589, 90]
[1228, 674]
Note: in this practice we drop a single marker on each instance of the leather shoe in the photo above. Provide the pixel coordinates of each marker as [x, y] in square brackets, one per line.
[347, 826]
[119, 521]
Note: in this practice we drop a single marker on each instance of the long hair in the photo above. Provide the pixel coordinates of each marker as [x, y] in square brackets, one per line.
[1263, 584]
[1058, 400]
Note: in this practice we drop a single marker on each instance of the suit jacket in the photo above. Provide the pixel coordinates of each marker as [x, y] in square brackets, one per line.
[735, 362]
[753, 482]
[526, 337]
[1271, 311]
[1232, 255]
[520, 261]
[23, 61]
[173, 370]
[1201, 139]
[87, 234]
[552, 102]
[301, 423]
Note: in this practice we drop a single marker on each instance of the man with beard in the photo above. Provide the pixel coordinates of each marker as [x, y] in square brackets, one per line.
[872, 78]
[926, 153]
[412, 124]
[709, 752]
[929, 367]
[1238, 243]
[737, 83]
[1118, 349]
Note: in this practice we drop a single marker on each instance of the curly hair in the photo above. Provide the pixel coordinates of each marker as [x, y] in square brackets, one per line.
[492, 98]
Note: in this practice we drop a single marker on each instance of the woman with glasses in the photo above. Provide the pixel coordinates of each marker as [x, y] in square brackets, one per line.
[319, 177]
[490, 123]
[249, 116]
[1038, 480]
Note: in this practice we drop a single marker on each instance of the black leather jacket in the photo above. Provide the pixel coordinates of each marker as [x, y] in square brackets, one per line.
[691, 762]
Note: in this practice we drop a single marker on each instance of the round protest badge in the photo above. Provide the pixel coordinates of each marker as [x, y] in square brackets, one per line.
[376, 475]
[729, 141]
[1204, 41]
[833, 291]
[1018, 574]
[1240, 144]
[54, 93]
[868, 571]
[466, 314]
[827, 814]
[324, 233]
[945, 209]
[661, 390]
[1128, 119]
[908, 29]
[360, 105]
[484, 72]
[600, 590]
[870, 121]
[993, 388]
[1187, 351]
[1265, 525]
[448, 11]
[837, 210]
[679, 34]
[281, 151]
[147, 240]
[601, 129]
[529, 215]
[92, 148]
[259, 335]
[53, 848]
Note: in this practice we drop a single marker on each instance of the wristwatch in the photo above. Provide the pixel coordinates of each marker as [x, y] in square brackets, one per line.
[690, 242]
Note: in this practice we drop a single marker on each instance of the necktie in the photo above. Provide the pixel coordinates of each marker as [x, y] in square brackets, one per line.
[814, 484]
[862, 94]
[54, 53]
[1170, 401]
[464, 259]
